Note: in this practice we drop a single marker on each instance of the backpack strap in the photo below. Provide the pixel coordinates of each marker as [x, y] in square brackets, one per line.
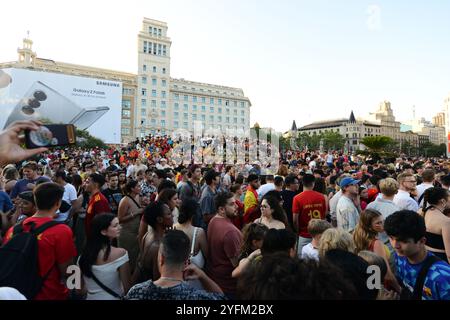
[101, 285]
[420, 281]
[44, 227]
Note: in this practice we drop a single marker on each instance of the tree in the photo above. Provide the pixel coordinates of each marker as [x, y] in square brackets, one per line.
[86, 141]
[434, 150]
[378, 147]
[333, 141]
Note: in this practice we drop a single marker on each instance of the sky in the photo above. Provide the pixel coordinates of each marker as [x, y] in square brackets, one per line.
[295, 60]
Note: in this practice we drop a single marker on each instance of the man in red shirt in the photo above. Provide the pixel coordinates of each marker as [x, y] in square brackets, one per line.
[97, 202]
[225, 240]
[307, 205]
[56, 249]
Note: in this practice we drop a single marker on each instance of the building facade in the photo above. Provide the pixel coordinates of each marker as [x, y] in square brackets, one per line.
[354, 130]
[152, 101]
[167, 104]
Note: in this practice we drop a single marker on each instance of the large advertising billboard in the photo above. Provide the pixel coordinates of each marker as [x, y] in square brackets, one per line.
[88, 103]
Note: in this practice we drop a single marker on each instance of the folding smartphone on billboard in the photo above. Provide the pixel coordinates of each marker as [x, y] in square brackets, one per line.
[45, 104]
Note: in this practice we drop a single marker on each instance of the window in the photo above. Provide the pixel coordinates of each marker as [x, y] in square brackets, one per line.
[242, 113]
[203, 117]
[154, 31]
[228, 119]
[194, 99]
[154, 93]
[126, 122]
[194, 108]
[159, 32]
[154, 69]
[143, 112]
[185, 116]
[164, 72]
[144, 102]
[126, 104]
[235, 120]
[185, 125]
[144, 80]
[154, 48]
[175, 124]
[176, 114]
[203, 100]
[144, 92]
[235, 103]
[242, 120]
[186, 108]
[154, 82]
[203, 109]
[150, 30]
[194, 116]
[186, 97]
[176, 106]
[211, 100]
[163, 104]
[126, 113]
[220, 102]
[220, 110]
[125, 131]
[211, 118]
[144, 67]
[211, 109]
[219, 118]
[235, 111]
[228, 111]
[164, 50]
[153, 122]
[176, 96]
[164, 83]
[163, 113]
[154, 103]
[163, 94]
[227, 102]
[242, 104]
[159, 49]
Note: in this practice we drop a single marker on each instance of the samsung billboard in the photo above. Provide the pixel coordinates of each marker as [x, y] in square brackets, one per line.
[88, 103]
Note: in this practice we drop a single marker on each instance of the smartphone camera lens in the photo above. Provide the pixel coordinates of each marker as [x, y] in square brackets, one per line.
[34, 103]
[40, 95]
[27, 110]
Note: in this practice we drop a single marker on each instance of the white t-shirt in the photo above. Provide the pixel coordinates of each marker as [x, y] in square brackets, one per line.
[309, 252]
[70, 194]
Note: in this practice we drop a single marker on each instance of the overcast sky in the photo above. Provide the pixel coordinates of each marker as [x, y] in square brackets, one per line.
[302, 60]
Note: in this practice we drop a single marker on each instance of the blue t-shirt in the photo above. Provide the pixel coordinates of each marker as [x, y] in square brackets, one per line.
[437, 281]
[21, 185]
[5, 202]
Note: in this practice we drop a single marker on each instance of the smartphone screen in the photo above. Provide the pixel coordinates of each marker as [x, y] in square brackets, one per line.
[85, 119]
[51, 135]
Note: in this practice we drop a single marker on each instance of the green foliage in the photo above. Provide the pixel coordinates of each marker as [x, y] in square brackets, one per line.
[434, 150]
[377, 143]
[85, 140]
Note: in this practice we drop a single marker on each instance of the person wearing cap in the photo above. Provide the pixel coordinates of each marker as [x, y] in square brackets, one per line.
[251, 212]
[212, 179]
[348, 207]
[26, 207]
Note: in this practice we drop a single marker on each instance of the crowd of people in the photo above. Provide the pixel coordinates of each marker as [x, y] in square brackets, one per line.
[141, 226]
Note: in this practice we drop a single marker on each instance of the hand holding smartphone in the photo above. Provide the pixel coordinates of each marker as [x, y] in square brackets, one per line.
[50, 135]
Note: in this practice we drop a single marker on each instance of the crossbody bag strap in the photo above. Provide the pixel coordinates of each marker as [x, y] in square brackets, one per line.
[101, 285]
[420, 281]
[134, 201]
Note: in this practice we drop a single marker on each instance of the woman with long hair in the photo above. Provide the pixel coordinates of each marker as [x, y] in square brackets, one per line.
[105, 268]
[158, 216]
[272, 214]
[199, 244]
[129, 214]
[365, 237]
[253, 237]
[170, 197]
[435, 206]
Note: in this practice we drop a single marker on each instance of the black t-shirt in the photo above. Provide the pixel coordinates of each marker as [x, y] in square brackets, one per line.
[288, 197]
[113, 197]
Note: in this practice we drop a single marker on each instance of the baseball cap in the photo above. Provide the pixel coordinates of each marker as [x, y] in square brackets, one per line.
[348, 181]
[27, 195]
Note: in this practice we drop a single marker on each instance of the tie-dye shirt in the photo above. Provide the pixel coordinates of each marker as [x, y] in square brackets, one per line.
[437, 281]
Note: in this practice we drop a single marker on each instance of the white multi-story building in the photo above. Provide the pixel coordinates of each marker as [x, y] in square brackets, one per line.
[165, 104]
